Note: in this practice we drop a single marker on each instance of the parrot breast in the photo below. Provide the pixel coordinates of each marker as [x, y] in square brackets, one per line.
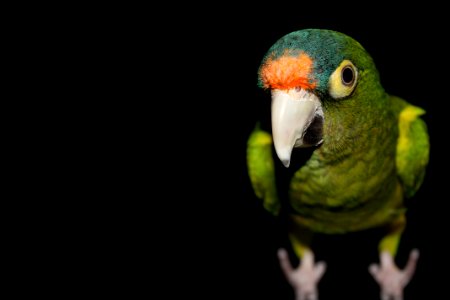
[350, 182]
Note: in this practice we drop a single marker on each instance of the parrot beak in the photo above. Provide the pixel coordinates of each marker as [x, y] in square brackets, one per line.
[297, 119]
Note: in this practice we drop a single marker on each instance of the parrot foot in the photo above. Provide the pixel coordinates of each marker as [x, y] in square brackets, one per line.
[304, 278]
[391, 279]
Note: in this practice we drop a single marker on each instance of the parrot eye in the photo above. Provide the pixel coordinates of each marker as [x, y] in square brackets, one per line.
[347, 76]
[343, 80]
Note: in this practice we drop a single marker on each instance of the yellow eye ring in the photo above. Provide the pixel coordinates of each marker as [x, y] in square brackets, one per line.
[343, 80]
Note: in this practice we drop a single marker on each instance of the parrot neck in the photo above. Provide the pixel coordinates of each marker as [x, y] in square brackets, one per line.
[355, 131]
[354, 165]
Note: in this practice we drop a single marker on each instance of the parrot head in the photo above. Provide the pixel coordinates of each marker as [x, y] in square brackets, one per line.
[315, 75]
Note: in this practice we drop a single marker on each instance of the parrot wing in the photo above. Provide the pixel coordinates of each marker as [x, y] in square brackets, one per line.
[413, 147]
[261, 169]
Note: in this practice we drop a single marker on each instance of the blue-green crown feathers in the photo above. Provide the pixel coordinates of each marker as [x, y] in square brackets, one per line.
[326, 48]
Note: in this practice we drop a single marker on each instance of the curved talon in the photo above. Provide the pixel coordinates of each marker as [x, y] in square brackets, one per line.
[391, 279]
[305, 277]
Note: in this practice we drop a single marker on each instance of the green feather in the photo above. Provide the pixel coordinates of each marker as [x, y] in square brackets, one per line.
[261, 169]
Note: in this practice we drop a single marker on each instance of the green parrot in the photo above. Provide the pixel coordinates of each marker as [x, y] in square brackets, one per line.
[369, 152]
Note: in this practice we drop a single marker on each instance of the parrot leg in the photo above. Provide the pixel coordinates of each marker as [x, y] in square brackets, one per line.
[305, 277]
[391, 279]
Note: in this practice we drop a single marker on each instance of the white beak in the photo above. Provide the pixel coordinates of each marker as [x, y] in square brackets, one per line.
[293, 111]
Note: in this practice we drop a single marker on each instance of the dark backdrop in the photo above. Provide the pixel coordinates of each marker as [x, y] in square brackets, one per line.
[211, 235]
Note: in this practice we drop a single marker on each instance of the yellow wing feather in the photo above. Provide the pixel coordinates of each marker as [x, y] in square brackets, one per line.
[413, 148]
[261, 169]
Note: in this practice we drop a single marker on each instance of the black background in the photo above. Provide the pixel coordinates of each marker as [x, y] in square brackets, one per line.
[240, 239]
[180, 214]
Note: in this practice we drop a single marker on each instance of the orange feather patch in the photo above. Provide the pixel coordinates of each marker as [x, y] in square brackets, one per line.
[287, 72]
